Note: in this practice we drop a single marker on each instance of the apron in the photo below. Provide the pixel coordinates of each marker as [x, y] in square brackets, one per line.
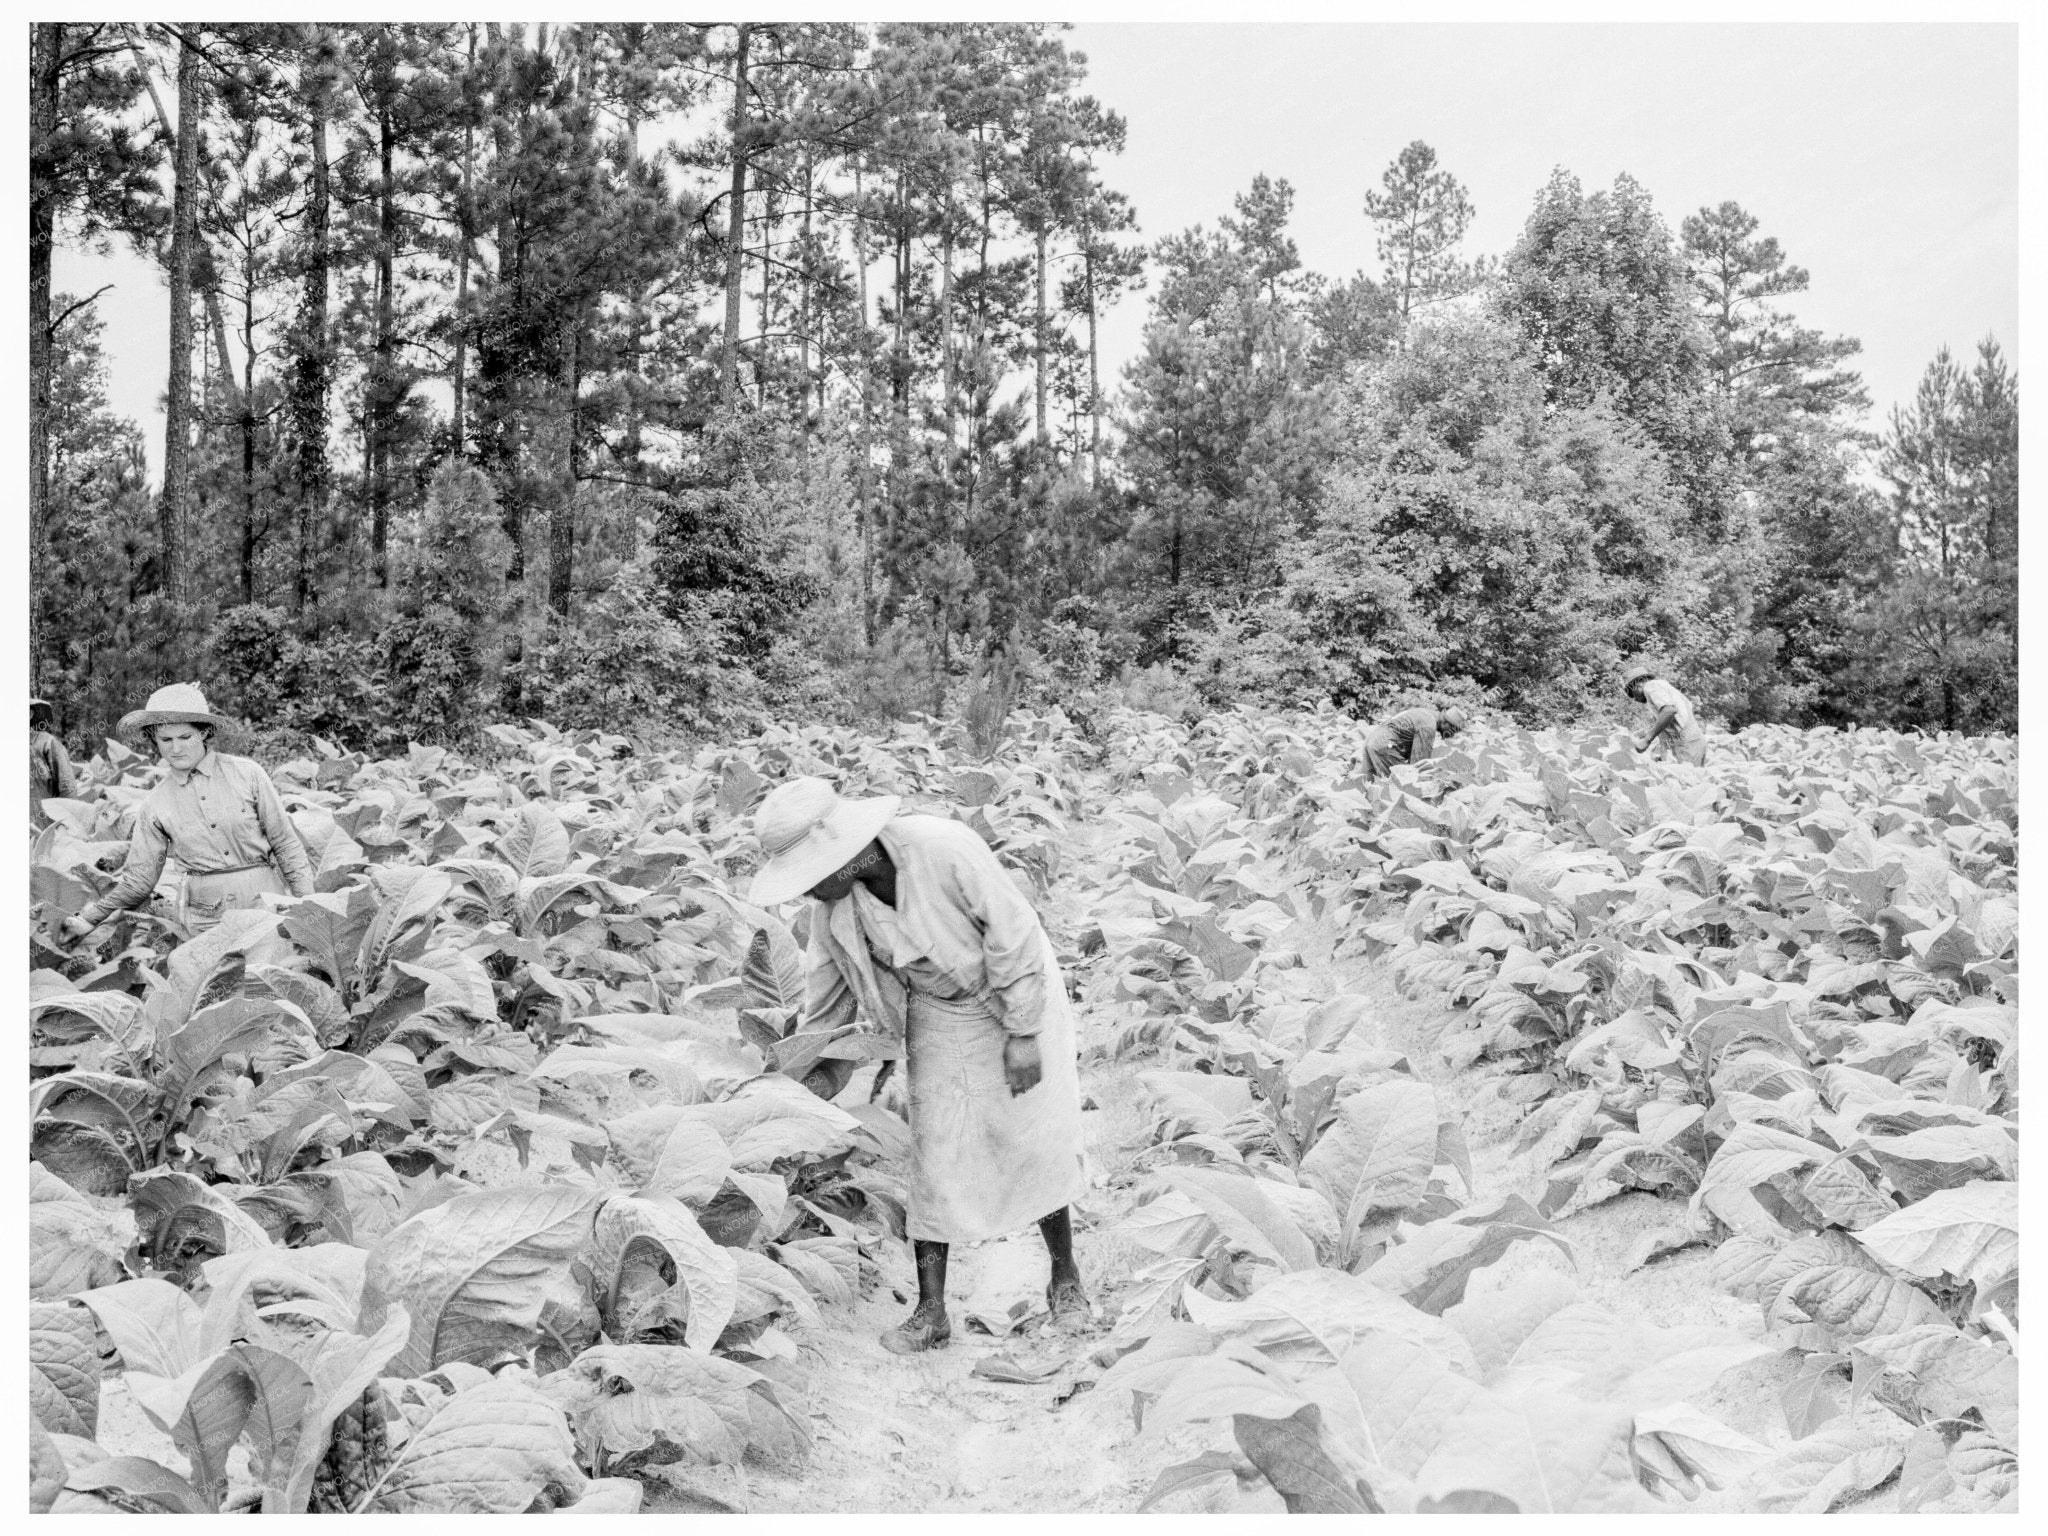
[983, 1163]
[207, 896]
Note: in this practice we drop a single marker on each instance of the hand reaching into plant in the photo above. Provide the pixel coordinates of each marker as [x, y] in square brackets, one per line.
[71, 929]
[1022, 1066]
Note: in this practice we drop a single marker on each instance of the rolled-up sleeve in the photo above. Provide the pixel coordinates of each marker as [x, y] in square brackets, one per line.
[292, 862]
[148, 847]
[1012, 941]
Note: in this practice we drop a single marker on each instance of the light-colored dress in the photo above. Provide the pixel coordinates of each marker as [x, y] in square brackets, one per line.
[956, 967]
[1682, 738]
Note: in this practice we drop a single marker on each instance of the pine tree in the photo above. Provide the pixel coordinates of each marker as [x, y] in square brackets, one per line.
[1422, 216]
[1765, 366]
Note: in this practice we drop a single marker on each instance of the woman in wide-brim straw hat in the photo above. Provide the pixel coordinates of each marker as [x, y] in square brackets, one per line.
[919, 928]
[1408, 737]
[1672, 722]
[218, 815]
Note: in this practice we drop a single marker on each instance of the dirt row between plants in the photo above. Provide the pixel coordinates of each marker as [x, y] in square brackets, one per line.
[924, 1433]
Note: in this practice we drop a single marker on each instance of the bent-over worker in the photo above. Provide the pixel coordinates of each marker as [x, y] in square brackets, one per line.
[218, 815]
[1408, 737]
[919, 928]
[1671, 721]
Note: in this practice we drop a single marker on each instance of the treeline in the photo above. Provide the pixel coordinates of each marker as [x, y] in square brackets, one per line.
[670, 375]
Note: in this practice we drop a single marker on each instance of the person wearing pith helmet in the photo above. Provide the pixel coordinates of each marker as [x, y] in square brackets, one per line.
[920, 929]
[218, 815]
[50, 774]
[1671, 721]
[1408, 737]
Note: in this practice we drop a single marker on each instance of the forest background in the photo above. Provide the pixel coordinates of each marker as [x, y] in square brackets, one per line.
[668, 377]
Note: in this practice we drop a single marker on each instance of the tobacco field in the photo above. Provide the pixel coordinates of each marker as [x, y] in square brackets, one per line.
[1541, 1129]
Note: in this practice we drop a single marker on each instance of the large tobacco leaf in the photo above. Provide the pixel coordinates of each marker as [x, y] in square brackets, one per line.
[634, 1236]
[490, 1448]
[1542, 1452]
[669, 1404]
[473, 1274]
[1374, 1163]
[1432, 1265]
[64, 1368]
[1970, 1232]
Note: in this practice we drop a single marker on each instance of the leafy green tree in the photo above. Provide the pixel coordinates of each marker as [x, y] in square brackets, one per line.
[1354, 321]
[1224, 431]
[1941, 636]
[89, 177]
[1825, 546]
[94, 600]
[1605, 298]
[1472, 531]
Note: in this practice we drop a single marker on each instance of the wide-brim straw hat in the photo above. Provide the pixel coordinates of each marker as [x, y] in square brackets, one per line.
[807, 831]
[1636, 670]
[1451, 715]
[174, 704]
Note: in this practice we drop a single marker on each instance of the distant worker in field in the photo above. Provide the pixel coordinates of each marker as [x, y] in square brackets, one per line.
[50, 774]
[219, 816]
[1408, 737]
[1671, 721]
[920, 929]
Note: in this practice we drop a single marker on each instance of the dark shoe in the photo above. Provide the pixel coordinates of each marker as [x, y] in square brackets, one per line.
[1069, 1304]
[917, 1333]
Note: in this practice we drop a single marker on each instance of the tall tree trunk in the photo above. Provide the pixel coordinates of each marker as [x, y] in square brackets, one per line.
[498, 432]
[803, 309]
[208, 290]
[636, 339]
[384, 363]
[946, 349]
[1094, 380]
[761, 365]
[562, 515]
[246, 417]
[736, 227]
[1173, 555]
[309, 373]
[899, 363]
[459, 369]
[174, 557]
[867, 403]
[1038, 338]
[46, 78]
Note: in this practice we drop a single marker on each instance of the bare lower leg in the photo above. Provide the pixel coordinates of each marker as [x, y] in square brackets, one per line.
[927, 1326]
[1064, 1291]
[931, 1275]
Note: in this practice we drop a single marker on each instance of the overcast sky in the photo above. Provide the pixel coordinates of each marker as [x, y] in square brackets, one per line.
[1883, 157]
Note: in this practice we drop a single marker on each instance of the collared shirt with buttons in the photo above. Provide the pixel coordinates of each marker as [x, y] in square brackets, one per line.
[224, 814]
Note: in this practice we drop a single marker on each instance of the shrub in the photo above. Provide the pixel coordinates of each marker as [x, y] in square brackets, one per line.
[1161, 690]
[623, 665]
